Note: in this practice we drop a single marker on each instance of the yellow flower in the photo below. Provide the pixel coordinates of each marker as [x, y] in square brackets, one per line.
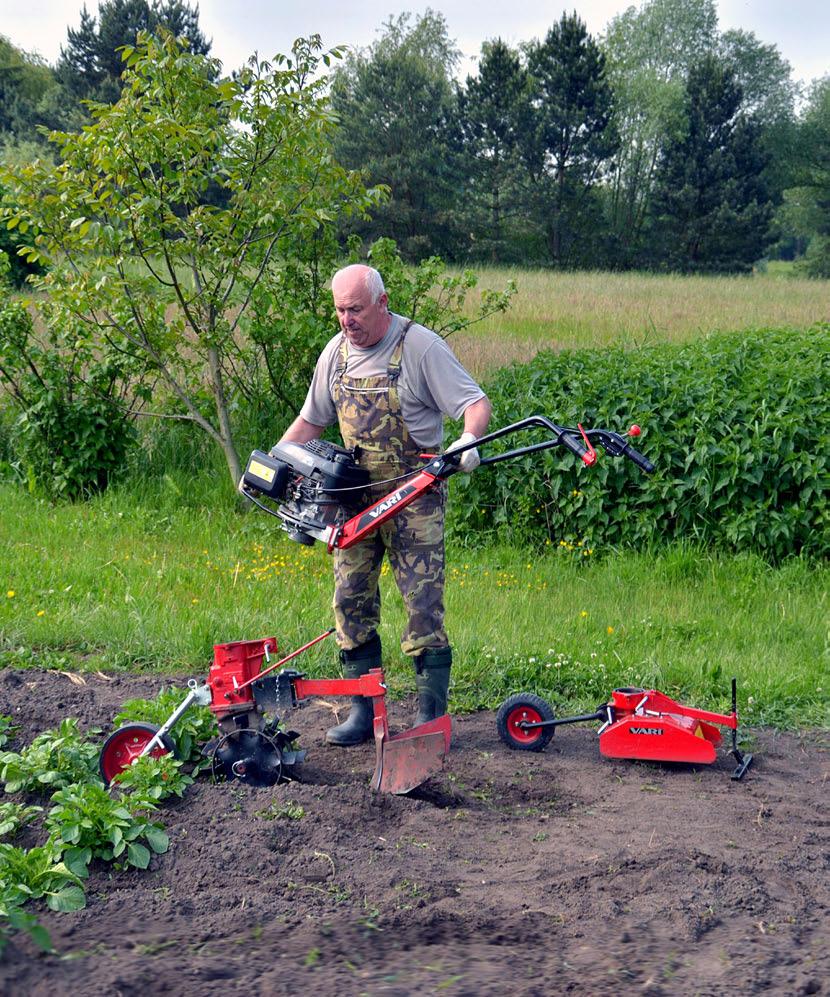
[41, 612]
[584, 613]
[10, 594]
[609, 630]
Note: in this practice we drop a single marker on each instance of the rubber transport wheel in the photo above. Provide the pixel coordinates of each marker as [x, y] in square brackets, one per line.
[126, 744]
[524, 707]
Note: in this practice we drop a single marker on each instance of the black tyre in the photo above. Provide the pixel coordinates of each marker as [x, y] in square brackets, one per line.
[126, 744]
[518, 710]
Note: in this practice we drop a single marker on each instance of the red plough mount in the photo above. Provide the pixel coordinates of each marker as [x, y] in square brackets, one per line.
[402, 761]
[248, 700]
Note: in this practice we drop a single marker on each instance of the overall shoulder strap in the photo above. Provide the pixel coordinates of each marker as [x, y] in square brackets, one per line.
[394, 369]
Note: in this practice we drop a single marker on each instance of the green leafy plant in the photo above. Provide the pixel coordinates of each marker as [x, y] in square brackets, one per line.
[86, 823]
[71, 435]
[734, 424]
[39, 873]
[159, 263]
[154, 778]
[13, 919]
[196, 726]
[7, 730]
[14, 816]
[55, 758]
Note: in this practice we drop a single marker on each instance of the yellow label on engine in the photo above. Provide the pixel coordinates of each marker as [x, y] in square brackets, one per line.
[261, 471]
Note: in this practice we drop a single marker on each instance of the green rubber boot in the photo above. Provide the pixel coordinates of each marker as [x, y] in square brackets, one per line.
[432, 677]
[359, 725]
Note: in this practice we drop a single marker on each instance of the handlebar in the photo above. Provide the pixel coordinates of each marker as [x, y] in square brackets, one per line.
[576, 439]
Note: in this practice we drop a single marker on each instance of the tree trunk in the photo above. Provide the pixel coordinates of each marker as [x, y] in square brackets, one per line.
[223, 417]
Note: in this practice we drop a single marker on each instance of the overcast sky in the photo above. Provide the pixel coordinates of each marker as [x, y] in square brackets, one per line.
[800, 28]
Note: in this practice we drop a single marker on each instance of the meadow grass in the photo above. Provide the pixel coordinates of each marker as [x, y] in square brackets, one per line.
[150, 576]
[576, 310]
[153, 580]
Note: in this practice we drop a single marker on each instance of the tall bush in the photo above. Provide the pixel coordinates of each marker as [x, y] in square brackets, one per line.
[71, 432]
[736, 424]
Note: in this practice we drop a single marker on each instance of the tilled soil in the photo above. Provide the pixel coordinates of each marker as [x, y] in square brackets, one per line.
[532, 874]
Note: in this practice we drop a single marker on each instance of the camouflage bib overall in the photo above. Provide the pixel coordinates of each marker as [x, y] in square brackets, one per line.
[369, 414]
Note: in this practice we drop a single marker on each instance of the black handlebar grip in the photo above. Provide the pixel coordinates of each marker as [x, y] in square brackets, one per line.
[642, 462]
[575, 446]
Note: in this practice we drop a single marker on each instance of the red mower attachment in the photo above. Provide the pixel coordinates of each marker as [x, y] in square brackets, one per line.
[240, 692]
[636, 723]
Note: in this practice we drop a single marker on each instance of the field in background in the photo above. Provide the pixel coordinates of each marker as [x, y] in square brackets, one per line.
[144, 582]
[154, 573]
[582, 309]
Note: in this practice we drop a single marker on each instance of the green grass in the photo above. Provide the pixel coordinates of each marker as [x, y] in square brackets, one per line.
[153, 580]
[590, 309]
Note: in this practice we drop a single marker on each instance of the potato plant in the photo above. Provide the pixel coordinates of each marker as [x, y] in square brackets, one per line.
[86, 823]
[55, 758]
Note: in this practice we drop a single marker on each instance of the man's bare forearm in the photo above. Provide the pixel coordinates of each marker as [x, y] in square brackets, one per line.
[301, 431]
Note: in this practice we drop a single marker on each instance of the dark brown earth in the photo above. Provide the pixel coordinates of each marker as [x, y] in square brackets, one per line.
[522, 873]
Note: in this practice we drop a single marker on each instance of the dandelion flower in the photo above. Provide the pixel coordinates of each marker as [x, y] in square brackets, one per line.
[10, 594]
[584, 613]
[41, 612]
[609, 630]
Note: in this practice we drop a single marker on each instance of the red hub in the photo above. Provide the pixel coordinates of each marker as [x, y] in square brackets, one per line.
[515, 713]
[127, 744]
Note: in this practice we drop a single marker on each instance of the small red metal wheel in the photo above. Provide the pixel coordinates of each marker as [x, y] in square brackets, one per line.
[518, 710]
[126, 744]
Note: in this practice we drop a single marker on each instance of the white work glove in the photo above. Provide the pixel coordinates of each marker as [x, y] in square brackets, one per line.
[470, 458]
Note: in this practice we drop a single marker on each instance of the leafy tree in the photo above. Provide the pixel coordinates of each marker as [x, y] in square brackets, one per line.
[812, 175]
[25, 85]
[493, 109]
[396, 107]
[570, 141]
[90, 65]
[769, 96]
[650, 50]
[712, 208]
[72, 433]
[140, 261]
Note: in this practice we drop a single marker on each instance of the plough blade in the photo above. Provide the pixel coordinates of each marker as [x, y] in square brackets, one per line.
[407, 759]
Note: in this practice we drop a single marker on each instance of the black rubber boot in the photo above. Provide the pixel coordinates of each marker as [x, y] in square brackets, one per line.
[358, 726]
[432, 677]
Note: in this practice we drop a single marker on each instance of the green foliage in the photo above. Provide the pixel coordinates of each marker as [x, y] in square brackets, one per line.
[649, 49]
[812, 169]
[167, 211]
[154, 778]
[71, 435]
[711, 207]
[13, 919]
[396, 108]
[8, 729]
[55, 759]
[90, 66]
[27, 85]
[196, 726]
[86, 823]
[736, 425]
[432, 297]
[571, 136]
[14, 817]
[14, 269]
[38, 873]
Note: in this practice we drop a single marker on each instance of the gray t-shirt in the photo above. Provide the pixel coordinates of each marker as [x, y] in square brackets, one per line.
[432, 382]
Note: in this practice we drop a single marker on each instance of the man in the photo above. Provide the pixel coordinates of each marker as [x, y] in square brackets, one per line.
[388, 383]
